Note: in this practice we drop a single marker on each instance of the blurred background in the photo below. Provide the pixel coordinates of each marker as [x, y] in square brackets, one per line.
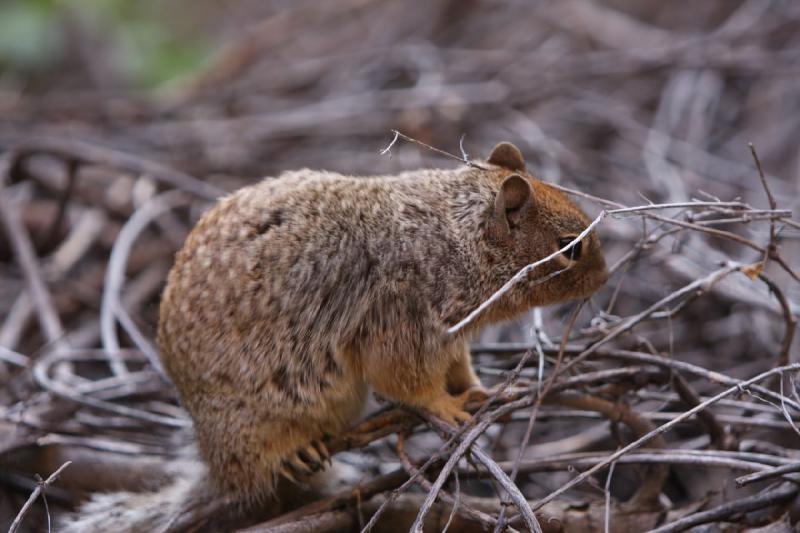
[616, 92]
[631, 101]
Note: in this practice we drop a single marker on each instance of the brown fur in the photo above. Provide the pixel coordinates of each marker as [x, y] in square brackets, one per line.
[293, 295]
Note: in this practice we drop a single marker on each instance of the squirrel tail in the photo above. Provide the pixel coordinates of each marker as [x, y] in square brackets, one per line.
[187, 495]
[188, 500]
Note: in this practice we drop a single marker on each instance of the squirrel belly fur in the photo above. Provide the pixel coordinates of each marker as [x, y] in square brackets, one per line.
[293, 296]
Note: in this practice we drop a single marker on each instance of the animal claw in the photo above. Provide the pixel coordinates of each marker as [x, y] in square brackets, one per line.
[324, 453]
[285, 472]
[305, 461]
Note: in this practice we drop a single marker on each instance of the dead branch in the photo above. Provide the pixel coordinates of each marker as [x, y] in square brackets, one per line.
[41, 488]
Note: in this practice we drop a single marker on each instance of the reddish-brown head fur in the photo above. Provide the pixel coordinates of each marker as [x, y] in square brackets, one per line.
[531, 220]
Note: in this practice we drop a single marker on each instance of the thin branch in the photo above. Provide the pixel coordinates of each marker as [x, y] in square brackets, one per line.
[412, 471]
[541, 393]
[662, 429]
[339, 500]
[688, 395]
[388, 149]
[463, 159]
[694, 288]
[771, 248]
[607, 519]
[727, 510]
[14, 358]
[25, 254]
[115, 275]
[73, 150]
[788, 318]
[456, 503]
[474, 315]
[467, 443]
[768, 473]
[41, 487]
[46, 362]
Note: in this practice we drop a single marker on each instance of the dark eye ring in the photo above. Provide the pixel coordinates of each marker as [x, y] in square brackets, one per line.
[574, 253]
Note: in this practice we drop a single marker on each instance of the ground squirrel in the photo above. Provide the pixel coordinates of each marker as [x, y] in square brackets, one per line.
[291, 296]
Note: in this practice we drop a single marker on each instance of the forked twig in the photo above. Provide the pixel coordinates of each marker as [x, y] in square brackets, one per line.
[40, 489]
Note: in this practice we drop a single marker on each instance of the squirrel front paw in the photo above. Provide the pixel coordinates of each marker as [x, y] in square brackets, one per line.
[305, 462]
[449, 408]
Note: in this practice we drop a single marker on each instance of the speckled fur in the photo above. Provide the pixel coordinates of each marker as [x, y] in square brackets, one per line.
[293, 295]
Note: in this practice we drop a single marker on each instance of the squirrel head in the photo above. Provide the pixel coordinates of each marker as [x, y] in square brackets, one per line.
[529, 221]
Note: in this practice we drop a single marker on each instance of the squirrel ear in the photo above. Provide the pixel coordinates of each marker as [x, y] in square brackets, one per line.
[514, 200]
[507, 155]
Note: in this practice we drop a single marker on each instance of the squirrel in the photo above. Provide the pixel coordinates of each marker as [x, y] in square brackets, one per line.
[291, 297]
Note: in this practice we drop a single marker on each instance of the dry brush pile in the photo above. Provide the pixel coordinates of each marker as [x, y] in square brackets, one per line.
[668, 400]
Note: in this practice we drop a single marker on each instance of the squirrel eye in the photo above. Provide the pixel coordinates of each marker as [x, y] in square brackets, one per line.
[574, 253]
